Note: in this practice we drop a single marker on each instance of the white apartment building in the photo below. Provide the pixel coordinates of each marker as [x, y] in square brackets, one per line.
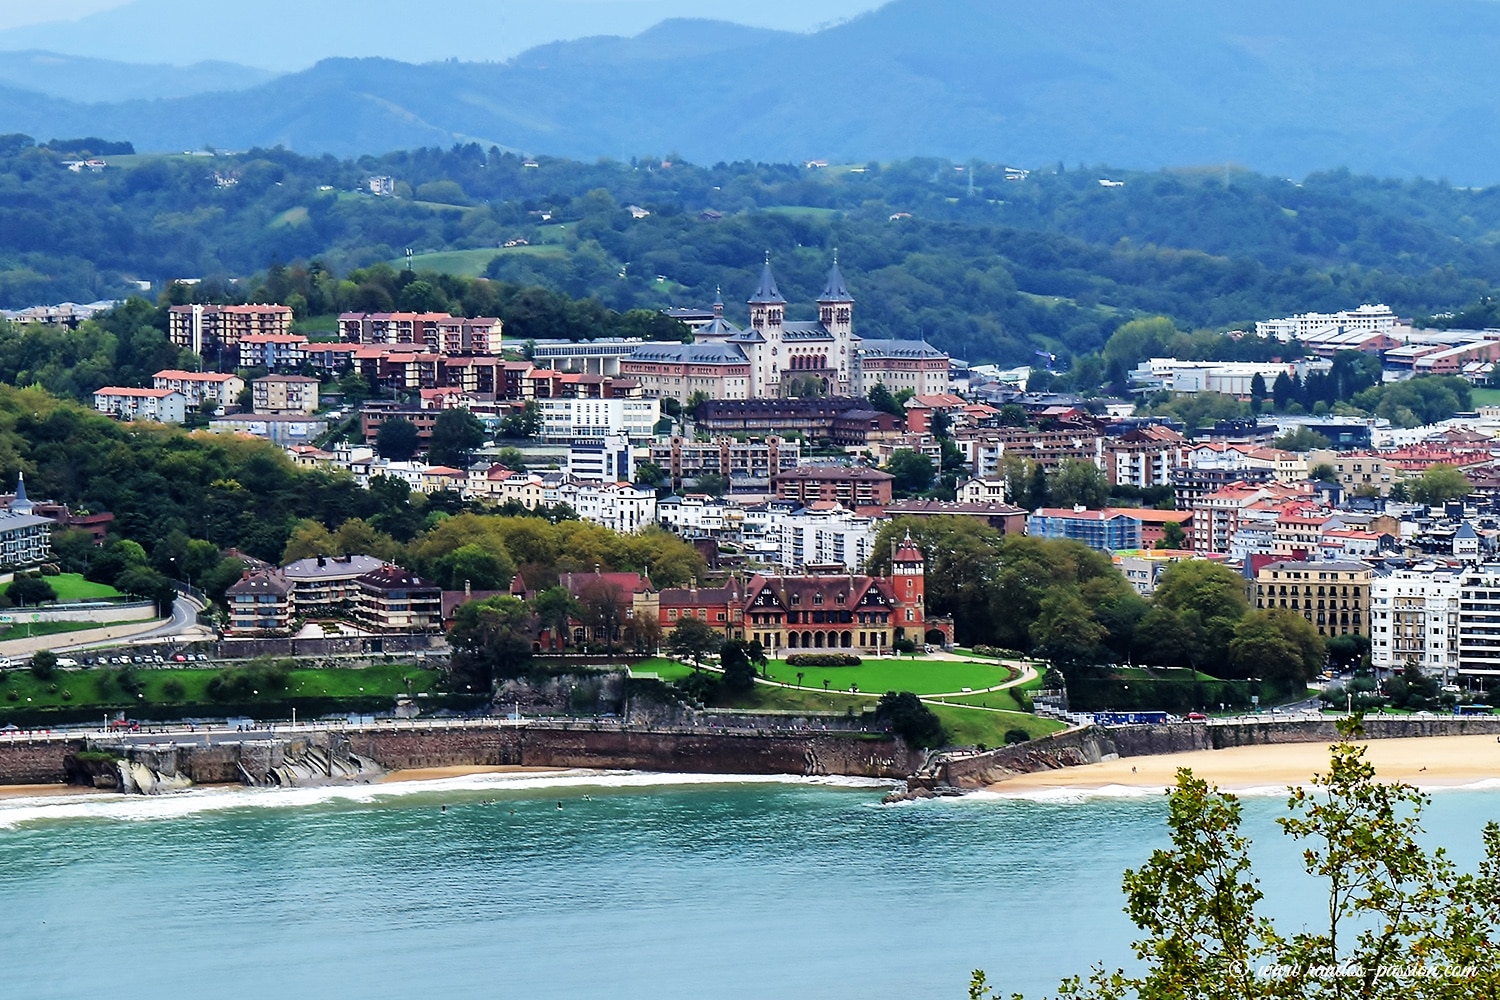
[1366, 317]
[1414, 619]
[1479, 621]
[826, 535]
[166, 406]
[1233, 378]
[609, 459]
[697, 515]
[567, 419]
[621, 507]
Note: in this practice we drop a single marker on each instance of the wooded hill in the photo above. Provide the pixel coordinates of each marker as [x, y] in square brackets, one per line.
[987, 268]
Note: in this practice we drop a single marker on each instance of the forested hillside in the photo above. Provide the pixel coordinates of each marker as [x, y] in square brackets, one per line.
[990, 269]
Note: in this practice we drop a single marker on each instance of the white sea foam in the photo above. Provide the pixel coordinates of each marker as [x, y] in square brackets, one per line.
[134, 808]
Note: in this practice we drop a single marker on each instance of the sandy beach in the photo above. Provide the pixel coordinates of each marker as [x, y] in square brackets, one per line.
[31, 791]
[465, 770]
[1427, 761]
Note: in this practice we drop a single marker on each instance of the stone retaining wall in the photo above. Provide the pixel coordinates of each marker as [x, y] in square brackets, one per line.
[42, 762]
[705, 752]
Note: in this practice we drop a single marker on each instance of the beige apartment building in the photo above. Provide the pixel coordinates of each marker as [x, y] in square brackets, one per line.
[1334, 596]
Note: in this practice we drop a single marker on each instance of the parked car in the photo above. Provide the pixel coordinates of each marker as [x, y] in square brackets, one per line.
[1197, 717]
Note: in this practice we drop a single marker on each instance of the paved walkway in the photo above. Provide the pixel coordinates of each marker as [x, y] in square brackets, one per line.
[183, 624]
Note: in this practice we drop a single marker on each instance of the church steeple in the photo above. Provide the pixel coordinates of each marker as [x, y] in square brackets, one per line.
[836, 305]
[21, 505]
[718, 302]
[767, 293]
[767, 307]
[835, 291]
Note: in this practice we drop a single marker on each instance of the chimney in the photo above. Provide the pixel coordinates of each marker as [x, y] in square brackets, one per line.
[322, 561]
[468, 590]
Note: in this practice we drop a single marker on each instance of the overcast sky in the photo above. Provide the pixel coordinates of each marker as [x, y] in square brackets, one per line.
[185, 31]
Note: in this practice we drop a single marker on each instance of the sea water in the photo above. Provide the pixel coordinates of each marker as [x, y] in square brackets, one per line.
[625, 887]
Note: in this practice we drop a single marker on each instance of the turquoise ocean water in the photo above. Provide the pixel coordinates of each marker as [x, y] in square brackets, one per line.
[638, 887]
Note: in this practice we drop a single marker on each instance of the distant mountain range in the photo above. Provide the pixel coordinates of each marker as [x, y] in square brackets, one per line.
[1388, 87]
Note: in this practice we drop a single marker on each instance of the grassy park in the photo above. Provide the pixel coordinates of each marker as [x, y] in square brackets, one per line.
[917, 675]
[981, 717]
[109, 689]
[73, 587]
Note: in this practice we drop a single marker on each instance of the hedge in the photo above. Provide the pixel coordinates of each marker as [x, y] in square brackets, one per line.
[823, 660]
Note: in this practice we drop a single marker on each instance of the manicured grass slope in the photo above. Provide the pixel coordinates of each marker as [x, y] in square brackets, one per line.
[101, 687]
[919, 676]
[73, 587]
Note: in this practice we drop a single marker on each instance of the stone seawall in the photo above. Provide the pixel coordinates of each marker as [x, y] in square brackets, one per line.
[39, 762]
[1070, 748]
[706, 752]
[947, 773]
[1142, 741]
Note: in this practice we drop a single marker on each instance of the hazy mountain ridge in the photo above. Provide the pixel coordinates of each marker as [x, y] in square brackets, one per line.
[90, 81]
[1285, 87]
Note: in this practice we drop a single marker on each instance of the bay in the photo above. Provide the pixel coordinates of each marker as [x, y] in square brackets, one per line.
[580, 886]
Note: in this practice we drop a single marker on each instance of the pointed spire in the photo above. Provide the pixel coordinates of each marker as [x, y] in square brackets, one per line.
[835, 290]
[21, 505]
[718, 302]
[767, 293]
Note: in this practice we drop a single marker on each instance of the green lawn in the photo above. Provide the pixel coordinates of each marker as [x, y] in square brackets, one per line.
[1485, 397]
[802, 211]
[73, 587]
[294, 216]
[26, 629]
[471, 263]
[969, 727]
[965, 726]
[95, 687]
[920, 676]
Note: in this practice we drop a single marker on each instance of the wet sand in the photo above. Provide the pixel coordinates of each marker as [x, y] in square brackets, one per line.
[465, 770]
[1426, 761]
[31, 791]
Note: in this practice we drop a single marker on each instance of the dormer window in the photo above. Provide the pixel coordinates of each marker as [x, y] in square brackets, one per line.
[796, 598]
[817, 598]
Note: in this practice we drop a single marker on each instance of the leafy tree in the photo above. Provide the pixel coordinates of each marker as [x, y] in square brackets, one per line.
[1257, 392]
[1067, 632]
[650, 474]
[909, 719]
[1038, 490]
[1302, 439]
[491, 639]
[554, 608]
[739, 660]
[1278, 645]
[1171, 638]
[881, 399]
[43, 664]
[711, 483]
[1012, 415]
[473, 566]
[1173, 536]
[1390, 902]
[643, 631]
[691, 638]
[913, 472]
[397, 440]
[523, 423]
[1438, 484]
[456, 434]
[30, 590]
[1214, 592]
[1079, 482]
